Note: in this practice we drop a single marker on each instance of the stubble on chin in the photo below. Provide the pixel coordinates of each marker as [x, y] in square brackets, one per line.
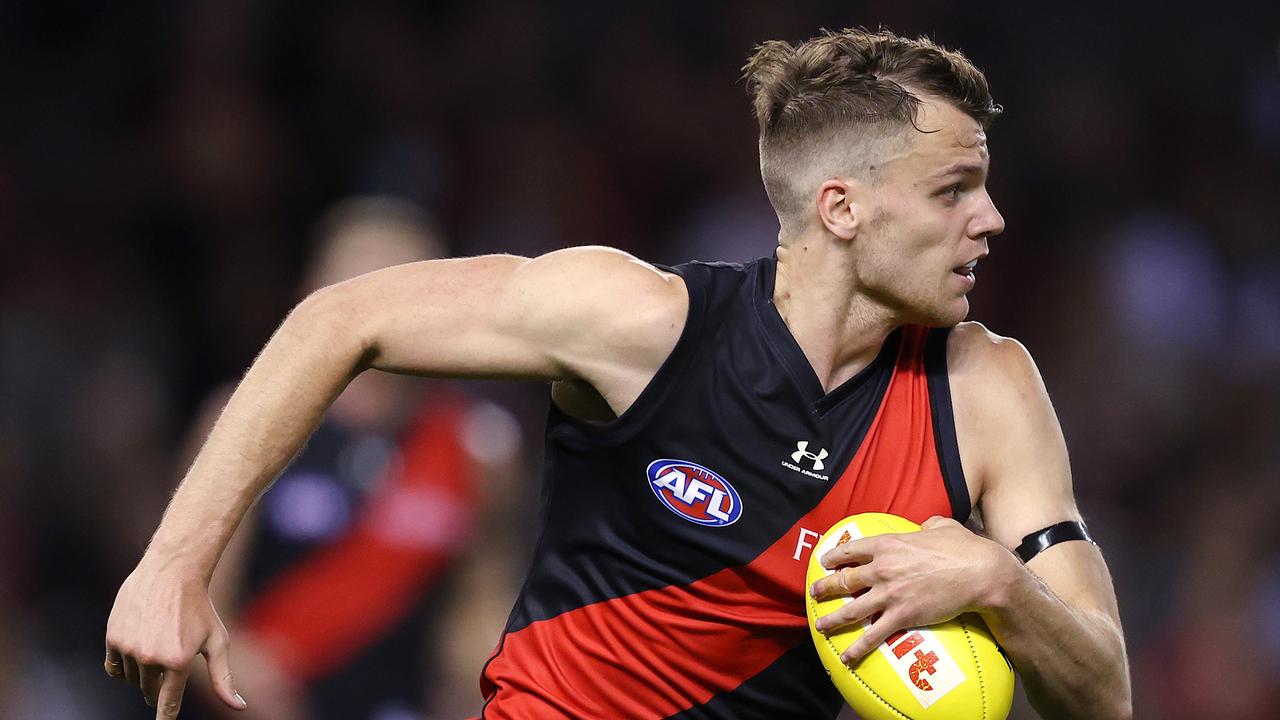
[943, 314]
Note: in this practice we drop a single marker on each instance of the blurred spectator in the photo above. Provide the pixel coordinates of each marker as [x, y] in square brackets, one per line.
[332, 585]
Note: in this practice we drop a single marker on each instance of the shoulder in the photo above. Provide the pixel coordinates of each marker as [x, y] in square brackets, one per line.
[1006, 427]
[991, 373]
[598, 280]
[604, 315]
[979, 354]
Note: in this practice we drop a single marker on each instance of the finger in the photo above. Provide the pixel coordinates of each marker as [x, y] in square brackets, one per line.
[151, 677]
[130, 670]
[169, 698]
[217, 655]
[846, 581]
[938, 521]
[880, 630]
[114, 665]
[860, 551]
[853, 612]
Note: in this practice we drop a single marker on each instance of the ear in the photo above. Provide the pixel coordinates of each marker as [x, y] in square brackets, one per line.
[837, 207]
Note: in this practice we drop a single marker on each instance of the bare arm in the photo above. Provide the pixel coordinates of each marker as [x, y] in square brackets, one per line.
[276, 696]
[588, 314]
[1057, 616]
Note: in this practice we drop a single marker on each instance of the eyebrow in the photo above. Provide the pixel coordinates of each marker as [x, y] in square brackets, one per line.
[962, 167]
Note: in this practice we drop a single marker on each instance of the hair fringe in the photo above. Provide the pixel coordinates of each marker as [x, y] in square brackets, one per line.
[858, 75]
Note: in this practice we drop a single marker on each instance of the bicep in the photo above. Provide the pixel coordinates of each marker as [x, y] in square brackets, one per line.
[1009, 422]
[448, 318]
[555, 317]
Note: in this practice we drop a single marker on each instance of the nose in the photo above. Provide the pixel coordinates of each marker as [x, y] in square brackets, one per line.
[988, 222]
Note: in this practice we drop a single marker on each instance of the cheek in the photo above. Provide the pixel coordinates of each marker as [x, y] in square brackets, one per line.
[908, 252]
[923, 250]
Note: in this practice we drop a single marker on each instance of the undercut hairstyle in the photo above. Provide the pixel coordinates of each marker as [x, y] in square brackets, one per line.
[832, 104]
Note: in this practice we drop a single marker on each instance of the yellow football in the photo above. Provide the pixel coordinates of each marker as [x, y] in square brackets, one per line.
[949, 671]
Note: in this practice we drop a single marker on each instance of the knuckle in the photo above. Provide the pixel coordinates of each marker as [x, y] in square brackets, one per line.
[888, 592]
[890, 569]
[163, 660]
[219, 639]
[890, 621]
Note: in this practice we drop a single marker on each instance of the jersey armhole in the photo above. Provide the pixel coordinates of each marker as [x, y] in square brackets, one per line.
[561, 425]
[944, 423]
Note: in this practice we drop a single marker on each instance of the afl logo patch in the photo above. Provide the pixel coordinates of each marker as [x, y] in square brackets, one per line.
[694, 492]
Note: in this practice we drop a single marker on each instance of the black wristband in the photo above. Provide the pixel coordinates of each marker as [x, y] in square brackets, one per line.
[1041, 540]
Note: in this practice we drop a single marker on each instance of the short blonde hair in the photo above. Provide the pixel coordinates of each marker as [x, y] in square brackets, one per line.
[856, 85]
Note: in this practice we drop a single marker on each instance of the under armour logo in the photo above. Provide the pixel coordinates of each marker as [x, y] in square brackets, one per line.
[802, 451]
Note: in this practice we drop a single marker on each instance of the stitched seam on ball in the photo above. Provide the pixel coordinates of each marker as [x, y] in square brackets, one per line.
[814, 604]
[973, 652]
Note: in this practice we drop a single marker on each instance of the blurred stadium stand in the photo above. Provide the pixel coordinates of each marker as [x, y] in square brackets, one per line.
[162, 163]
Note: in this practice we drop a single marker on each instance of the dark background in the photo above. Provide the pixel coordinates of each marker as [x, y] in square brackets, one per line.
[162, 165]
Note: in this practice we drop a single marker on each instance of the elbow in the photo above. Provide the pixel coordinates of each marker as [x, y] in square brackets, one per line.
[1122, 704]
[331, 316]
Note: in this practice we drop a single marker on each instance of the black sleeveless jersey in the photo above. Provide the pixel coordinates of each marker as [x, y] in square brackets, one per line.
[669, 579]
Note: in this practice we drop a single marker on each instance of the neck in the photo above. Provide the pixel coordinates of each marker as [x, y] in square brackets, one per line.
[838, 325]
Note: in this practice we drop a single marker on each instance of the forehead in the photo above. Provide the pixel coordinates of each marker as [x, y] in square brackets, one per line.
[946, 136]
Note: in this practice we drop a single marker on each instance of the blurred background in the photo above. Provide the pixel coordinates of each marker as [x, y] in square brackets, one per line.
[175, 175]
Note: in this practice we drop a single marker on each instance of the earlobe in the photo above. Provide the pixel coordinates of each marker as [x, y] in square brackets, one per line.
[836, 208]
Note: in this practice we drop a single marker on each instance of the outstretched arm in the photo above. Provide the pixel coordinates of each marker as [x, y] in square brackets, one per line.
[587, 314]
[1056, 616]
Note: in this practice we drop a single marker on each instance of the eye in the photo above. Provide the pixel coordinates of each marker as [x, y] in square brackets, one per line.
[952, 193]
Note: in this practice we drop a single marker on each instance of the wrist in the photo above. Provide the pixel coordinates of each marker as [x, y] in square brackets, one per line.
[1004, 579]
[176, 557]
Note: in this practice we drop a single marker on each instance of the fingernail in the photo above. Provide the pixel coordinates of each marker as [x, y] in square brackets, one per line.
[240, 700]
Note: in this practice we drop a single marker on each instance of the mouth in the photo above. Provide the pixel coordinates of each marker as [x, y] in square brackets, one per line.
[966, 270]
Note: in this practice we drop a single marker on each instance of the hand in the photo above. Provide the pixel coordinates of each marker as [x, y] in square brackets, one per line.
[161, 620]
[910, 580]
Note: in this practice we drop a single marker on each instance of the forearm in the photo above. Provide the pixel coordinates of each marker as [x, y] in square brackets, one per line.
[305, 365]
[1072, 661]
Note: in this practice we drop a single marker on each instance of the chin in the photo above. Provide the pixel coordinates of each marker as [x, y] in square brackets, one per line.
[944, 315]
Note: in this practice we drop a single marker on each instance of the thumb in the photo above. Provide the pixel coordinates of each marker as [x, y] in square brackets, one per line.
[217, 655]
